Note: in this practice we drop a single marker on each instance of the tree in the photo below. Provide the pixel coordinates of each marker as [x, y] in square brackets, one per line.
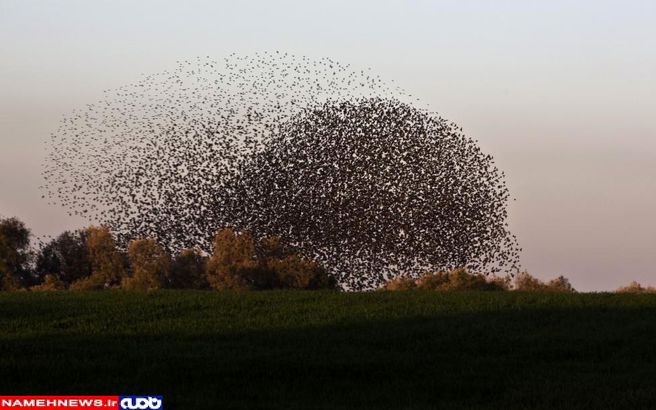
[150, 265]
[234, 263]
[240, 263]
[107, 263]
[65, 257]
[296, 272]
[188, 270]
[291, 269]
[14, 254]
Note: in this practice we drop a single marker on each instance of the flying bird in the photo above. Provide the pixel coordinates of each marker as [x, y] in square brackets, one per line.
[338, 162]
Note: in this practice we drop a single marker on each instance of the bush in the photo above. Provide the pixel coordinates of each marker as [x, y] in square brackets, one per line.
[400, 283]
[500, 283]
[461, 279]
[560, 284]
[635, 287]
[525, 282]
[95, 281]
[433, 281]
[50, 282]
[456, 279]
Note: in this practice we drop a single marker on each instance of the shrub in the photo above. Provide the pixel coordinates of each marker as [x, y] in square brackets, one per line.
[456, 279]
[560, 284]
[500, 283]
[525, 282]
[95, 281]
[460, 279]
[50, 282]
[400, 283]
[635, 287]
[433, 281]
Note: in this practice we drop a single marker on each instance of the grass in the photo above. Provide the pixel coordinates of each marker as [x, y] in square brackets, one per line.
[325, 350]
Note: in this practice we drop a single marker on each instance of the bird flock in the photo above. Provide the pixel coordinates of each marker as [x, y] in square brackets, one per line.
[335, 160]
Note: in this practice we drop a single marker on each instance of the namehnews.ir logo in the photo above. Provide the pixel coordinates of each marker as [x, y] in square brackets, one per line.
[82, 402]
[140, 402]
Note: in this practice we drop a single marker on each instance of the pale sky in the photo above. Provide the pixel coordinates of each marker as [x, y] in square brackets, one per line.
[561, 93]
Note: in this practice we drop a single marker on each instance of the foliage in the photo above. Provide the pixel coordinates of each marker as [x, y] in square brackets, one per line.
[635, 287]
[400, 283]
[456, 279]
[188, 270]
[238, 264]
[233, 264]
[89, 259]
[500, 282]
[525, 282]
[296, 272]
[107, 262]
[91, 282]
[150, 265]
[461, 279]
[65, 257]
[50, 282]
[14, 254]
[560, 284]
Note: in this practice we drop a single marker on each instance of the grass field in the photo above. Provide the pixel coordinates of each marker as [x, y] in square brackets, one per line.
[307, 350]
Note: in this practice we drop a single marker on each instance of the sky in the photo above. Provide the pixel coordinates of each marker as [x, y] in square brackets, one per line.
[561, 93]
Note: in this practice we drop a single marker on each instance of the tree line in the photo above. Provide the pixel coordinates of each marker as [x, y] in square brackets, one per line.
[89, 259]
[460, 279]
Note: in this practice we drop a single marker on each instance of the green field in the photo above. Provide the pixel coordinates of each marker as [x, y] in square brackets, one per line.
[328, 350]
